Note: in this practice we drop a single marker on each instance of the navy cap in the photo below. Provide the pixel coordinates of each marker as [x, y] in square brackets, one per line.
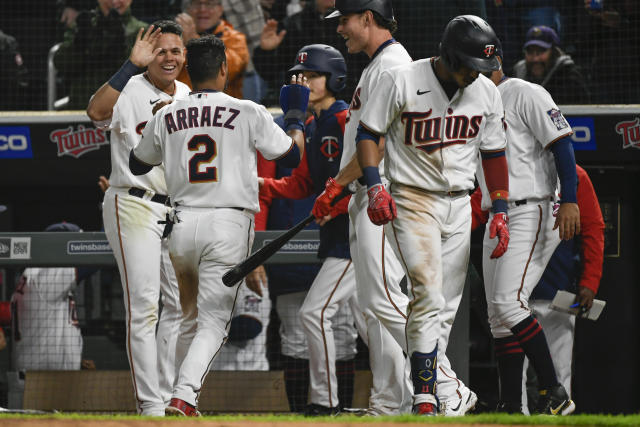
[542, 36]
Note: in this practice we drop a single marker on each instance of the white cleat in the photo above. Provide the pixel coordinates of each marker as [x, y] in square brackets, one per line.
[458, 407]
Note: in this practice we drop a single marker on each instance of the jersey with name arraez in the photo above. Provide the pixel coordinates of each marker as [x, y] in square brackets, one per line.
[433, 142]
[130, 114]
[533, 123]
[207, 143]
[390, 56]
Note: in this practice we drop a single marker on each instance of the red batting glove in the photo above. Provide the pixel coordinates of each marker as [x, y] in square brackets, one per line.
[382, 208]
[342, 207]
[322, 206]
[499, 227]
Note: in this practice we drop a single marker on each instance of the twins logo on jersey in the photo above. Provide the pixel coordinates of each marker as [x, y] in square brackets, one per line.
[424, 132]
[355, 105]
[558, 119]
[329, 147]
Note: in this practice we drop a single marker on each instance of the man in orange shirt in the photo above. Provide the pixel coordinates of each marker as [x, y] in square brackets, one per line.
[200, 17]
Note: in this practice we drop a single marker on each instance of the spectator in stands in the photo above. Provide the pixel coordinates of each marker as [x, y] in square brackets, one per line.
[280, 42]
[422, 23]
[547, 65]
[511, 20]
[13, 74]
[576, 266]
[247, 17]
[612, 41]
[201, 17]
[246, 346]
[70, 9]
[95, 47]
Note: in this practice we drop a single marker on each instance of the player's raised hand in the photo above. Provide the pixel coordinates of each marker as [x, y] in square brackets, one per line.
[568, 220]
[499, 227]
[144, 50]
[382, 208]
[188, 27]
[322, 206]
[270, 37]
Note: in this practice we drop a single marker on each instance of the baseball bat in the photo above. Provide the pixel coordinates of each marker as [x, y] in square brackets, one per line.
[240, 270]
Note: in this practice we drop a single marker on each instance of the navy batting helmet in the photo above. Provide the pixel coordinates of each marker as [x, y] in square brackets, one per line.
[63, 226]
[470, 41]
[323, 58]
[345, 7]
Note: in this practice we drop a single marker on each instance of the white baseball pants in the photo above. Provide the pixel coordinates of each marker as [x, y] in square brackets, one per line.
[133, 232]
[204, 244]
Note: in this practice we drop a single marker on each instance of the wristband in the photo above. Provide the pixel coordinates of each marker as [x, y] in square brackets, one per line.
[371, 176]
[119, 80]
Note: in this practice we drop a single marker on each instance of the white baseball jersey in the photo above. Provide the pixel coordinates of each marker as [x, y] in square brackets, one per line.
[432, 141]
[46, 335]
[130, 114]
[533, 122]
[390, 56]
[211, 138]
[247, 355]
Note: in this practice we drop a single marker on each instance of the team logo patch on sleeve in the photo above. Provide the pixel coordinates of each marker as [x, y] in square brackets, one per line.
[558, 119]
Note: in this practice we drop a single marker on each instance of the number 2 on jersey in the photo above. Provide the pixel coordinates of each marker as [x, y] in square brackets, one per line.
[210, 173]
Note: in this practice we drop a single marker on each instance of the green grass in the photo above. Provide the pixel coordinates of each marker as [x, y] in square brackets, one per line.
[573, 420]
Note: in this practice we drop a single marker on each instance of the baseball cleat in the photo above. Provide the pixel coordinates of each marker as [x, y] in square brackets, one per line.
[555, 401]
[509, 408]
[180, 408]
[314, 410]
[425, 408]
[459, 407]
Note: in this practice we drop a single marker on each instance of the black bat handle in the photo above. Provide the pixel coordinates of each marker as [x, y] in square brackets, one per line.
[239, 271]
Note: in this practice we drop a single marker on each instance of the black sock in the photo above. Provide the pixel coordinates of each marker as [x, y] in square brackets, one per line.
[534, 343]
[296, 381]
[510, 357]
[345, 371]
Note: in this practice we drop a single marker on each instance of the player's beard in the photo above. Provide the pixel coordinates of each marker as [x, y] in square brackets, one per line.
[226, 83]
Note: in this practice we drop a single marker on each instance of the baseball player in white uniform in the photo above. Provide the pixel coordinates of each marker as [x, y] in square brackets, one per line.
[133, 205]
[44, 323]
[378, 270]
[367, 27]
[437, 115]
[539, 152]
[246, 348]
[208, 145]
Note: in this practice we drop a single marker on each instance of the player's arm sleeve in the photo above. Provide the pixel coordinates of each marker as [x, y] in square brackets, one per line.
[296, 186]
[148, 152]
[266, 169]
[270, 139]
[592, 233]
[492, 152]
[385, 102]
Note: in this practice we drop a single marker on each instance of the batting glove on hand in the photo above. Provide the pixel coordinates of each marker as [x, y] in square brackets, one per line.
[499, 227]
[322, 206]
[382, 208]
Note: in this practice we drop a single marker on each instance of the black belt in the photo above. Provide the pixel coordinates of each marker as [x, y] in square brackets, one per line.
[524, 201]
[158, 198]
